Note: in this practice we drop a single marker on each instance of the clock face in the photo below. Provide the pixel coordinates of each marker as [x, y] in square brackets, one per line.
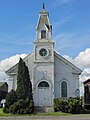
[43, 52]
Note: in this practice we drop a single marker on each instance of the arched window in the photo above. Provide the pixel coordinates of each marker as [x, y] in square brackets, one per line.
[43, 34]
[64, 89]
[77, 93]
[43, 84]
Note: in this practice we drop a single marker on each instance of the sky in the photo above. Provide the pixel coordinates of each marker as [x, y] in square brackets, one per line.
[70, 20]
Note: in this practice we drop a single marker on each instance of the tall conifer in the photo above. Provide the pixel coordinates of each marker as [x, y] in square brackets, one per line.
[24, 86]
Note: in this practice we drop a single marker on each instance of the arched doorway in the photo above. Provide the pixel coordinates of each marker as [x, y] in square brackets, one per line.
[44, 94]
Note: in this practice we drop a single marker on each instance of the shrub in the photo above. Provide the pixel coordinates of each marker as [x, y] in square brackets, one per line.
[75, 106]
[22, 107]
[57, 104]
[70, 105]
[65, 105]
[10, 99]
[61, 105]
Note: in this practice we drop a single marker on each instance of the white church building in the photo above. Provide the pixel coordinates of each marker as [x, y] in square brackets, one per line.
[52, 76]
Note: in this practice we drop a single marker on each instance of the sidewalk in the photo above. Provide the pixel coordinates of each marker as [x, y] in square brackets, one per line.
[77, 117]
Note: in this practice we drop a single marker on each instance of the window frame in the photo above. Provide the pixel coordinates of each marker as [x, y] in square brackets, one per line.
[43, 34]
[64, 89]
[43, 85]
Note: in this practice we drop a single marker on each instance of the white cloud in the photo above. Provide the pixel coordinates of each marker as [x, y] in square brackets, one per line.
[83, 62]
[66, 40]
[85, 74]
[69, 59]
[83, 59]
[7, 63]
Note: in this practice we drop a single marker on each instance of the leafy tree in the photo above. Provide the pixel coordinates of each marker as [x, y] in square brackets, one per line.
[24, 86]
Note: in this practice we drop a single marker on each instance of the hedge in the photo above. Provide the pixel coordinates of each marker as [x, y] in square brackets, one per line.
[68, 105]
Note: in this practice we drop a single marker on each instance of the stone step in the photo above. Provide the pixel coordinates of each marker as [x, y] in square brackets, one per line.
[43, 109]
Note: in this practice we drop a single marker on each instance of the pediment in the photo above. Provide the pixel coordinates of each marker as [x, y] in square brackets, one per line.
[13, 70]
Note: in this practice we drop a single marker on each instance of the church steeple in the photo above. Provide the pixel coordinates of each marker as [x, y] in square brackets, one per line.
[43, 28]
[43, 7]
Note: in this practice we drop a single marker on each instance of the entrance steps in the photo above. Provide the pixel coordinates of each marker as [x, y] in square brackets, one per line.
[43, 109]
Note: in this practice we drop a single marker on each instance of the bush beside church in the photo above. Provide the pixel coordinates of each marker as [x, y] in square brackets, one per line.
[68, 105]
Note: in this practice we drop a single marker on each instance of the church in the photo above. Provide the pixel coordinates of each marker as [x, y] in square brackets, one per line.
[52, 76]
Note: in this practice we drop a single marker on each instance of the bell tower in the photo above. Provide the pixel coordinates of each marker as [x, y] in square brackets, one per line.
[43, 28]
[43, 70]
[43, 45]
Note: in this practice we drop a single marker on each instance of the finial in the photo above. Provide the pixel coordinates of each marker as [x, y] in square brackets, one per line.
[43, 7]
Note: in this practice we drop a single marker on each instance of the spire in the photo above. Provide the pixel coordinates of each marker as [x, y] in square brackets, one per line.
[43, 7]
[43, 24]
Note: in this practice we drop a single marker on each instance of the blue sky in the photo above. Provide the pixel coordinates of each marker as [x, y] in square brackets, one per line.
[70, 20]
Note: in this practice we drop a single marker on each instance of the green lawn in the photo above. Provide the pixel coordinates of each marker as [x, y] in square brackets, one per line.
[42, 114]
[4, 114]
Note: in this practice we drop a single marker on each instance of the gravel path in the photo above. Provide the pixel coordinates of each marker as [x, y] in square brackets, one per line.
[83, 117]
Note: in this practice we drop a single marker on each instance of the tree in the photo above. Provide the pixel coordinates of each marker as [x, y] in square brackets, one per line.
[21, 102]
[24, 86]
[10, 99]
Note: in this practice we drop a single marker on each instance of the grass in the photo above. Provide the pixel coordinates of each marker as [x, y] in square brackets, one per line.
[37, 114]
[4, 114]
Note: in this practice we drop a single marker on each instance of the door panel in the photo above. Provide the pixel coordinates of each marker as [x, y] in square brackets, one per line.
[44, 97]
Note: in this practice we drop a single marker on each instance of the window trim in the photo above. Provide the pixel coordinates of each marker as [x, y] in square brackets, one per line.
[43, 85]
[43, 34]
[62, 93]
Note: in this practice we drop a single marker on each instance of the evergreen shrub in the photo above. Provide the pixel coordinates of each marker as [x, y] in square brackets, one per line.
[10, 99]
[21, 100]
[68, 105]
[22, 107]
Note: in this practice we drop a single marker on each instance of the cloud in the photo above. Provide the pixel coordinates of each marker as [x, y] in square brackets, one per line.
[82, 61]
[72, 41]
[7, 63]
[61, 21]
[66, 40]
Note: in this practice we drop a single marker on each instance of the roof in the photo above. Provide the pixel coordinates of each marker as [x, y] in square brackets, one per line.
[79, 71]
[43, 19]
[3, 86]
[11, 70]
[1, 83]
[86, 81]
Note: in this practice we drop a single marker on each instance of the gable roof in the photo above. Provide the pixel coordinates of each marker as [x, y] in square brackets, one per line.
[3, 86]
[1, 83]
[78, 71]
[42, 20]
[11, 71]
[86, 81]
[68, 63]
